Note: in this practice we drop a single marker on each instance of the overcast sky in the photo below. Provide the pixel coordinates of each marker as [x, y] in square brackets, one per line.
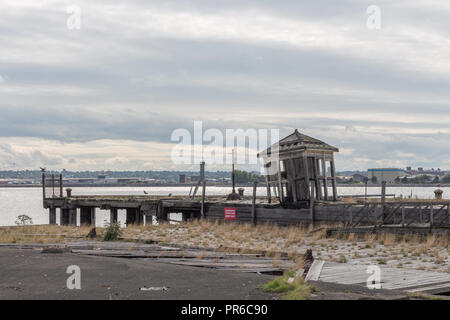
[110, 94]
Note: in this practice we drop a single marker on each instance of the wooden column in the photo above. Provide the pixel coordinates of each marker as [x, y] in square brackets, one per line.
[383, 199]
[311, 206]
[61, 186]
[202, 209]
[52, 216]
[403, 216]
[87, 216]
[64, 217]
[255, 185]
[307, 176]
[161, 213]
[324, 177]
[269, 194]
[73, 216]
[431, 217]
[139, 217]
[113, 215]
[280, 186]
[317, 180]
[292, 180]
[93, 216]
[43, 186]
[131, 216]
[333, 179]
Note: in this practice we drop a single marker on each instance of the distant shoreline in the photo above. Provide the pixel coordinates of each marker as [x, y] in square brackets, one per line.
[261, 184]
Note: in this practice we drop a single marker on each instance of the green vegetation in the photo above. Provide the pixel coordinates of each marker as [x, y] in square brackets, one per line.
[247, 177]
[112, 231]
[423, 296]
[296, 290]
[446, 179]
[23, 220]
[423, 179]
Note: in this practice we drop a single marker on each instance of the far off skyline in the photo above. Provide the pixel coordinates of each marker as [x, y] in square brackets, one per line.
[103, 86]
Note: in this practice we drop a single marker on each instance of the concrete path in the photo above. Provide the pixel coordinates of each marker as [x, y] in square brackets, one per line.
[30, 274]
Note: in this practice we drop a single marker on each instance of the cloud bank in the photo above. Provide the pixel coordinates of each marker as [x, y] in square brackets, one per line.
[109, 95]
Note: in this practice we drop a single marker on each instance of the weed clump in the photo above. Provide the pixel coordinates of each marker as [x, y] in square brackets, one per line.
[292, 288]
[112, 231]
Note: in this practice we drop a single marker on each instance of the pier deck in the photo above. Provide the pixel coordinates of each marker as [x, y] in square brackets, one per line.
[404, 214]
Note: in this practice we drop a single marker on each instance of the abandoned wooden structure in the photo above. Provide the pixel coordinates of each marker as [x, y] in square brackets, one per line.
[298, 169]
[403, 215]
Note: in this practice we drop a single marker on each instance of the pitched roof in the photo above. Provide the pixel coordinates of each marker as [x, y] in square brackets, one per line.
[297, 141]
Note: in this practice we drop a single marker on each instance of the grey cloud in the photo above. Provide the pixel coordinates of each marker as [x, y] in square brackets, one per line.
[106, 82]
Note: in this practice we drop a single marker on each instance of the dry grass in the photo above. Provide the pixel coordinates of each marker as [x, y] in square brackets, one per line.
[41, 234]
[410, 251]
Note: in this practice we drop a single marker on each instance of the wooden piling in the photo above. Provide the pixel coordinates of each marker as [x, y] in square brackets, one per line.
[73, 216]
[113, 215]
[255, 185]
[43, 186]
[52, 215]
[383, 199]
[202, 210]
[60, 185]
[64, 217]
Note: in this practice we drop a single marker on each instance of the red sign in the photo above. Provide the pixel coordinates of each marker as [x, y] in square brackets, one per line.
[230, 213]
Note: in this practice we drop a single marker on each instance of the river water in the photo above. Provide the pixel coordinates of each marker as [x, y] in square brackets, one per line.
[18, 201]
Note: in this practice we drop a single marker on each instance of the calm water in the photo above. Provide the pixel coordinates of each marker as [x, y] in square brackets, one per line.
[17, 201]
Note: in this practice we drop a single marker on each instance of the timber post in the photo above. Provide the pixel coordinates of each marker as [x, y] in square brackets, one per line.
[60, 185]
[73, 216]
[383, 199]
[203, 200]
[311, 205]
[43, 186]
[113, 215]
[52, 215]
[255, 185]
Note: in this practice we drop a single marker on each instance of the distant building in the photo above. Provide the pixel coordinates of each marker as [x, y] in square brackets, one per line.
[385, 174]
[359, 177]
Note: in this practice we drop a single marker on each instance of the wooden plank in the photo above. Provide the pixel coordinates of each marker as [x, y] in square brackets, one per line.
[315, 270]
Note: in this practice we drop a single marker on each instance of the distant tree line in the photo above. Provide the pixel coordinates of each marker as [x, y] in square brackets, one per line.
[247, 177]
[446, 179]
[423, 179]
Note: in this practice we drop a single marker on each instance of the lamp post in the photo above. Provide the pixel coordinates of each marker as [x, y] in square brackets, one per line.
[233, 195]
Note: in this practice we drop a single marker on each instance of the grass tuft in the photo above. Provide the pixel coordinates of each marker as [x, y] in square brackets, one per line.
[296, 290]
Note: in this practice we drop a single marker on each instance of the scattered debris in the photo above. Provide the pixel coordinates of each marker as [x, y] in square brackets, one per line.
[308, 260]
[92, 233]
[55, 250]
[154, 288]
